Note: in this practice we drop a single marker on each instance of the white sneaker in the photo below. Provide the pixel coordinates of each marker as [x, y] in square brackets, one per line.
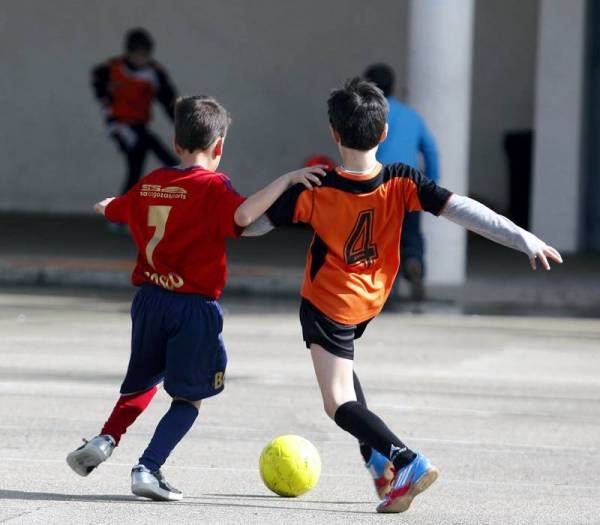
[152, 485]
[89, 455]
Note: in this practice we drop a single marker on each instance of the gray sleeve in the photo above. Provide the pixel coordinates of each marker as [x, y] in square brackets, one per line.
[478, 218]
[260, 226]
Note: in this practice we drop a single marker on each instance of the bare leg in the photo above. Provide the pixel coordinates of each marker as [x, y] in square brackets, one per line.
[335, 378]
[336, 381]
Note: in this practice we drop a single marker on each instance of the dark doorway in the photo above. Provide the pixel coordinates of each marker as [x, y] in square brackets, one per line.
[591, 198]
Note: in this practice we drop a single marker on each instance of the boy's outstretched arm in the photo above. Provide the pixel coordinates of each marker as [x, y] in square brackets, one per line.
[100, 207]
[256, 205]
[115, 209]
[480, 219]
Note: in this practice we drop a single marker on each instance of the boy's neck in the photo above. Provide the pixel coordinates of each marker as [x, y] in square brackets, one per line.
[358, 161]
[196, 158]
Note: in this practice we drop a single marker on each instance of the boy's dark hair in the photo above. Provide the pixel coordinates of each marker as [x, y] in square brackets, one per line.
[382, 76]
[199, 121]
[358, 113]
[138, 39]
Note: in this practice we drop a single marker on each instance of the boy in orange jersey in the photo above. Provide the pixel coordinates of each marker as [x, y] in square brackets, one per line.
[357, 216]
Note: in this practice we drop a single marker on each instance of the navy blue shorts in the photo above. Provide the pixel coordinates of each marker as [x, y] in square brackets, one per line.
[176, 338]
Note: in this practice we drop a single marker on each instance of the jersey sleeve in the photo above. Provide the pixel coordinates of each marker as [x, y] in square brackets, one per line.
[100, 83]
[118, 209]
[166, 93]
[226, 201]
[422, 194]
[293, 206]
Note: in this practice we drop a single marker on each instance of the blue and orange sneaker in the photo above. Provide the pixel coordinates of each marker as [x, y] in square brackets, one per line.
[408, 482]
[382, 471]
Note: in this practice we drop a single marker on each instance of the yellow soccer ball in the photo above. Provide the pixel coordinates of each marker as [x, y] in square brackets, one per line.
[290, 466]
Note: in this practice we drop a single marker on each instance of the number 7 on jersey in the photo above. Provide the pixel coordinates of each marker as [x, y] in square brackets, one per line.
[157, 217]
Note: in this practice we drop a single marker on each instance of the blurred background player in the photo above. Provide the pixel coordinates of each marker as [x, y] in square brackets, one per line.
[179, 218]
[408, 136]
[126, 86]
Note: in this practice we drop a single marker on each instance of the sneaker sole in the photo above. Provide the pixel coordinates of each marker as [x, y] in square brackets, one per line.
[402, 504]
[156, 494]
[82, 462]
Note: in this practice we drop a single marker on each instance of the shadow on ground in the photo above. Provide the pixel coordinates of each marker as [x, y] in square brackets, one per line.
[190, 501]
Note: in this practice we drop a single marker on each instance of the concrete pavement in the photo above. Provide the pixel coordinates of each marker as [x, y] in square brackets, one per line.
[507, 407]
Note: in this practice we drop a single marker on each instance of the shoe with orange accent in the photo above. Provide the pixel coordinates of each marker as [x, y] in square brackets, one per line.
[409, 482]
[382, 471]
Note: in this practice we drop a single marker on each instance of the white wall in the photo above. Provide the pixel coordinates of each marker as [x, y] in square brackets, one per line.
[271, 63]
[439, 72]
[504, 55]
[557, 187]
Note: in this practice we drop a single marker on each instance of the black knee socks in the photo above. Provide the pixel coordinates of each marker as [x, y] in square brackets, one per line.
[369, 429]
[365, 449]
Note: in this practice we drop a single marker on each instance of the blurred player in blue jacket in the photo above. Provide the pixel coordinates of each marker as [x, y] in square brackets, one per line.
[408, 136]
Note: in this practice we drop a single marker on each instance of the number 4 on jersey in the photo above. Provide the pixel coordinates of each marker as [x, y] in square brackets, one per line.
[360, 247]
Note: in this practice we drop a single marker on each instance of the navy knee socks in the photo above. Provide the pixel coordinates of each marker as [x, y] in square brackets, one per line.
[170, 430]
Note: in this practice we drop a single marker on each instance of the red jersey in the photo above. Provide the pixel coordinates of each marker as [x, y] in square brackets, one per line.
[131, 91]
[179, 220]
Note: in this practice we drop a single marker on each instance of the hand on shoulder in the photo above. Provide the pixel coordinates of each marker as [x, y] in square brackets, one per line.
[309, 176]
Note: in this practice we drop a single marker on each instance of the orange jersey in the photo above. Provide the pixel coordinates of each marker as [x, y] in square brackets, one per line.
[357, 219]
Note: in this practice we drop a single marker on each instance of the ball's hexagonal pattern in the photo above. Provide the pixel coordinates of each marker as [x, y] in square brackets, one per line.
[290, 466]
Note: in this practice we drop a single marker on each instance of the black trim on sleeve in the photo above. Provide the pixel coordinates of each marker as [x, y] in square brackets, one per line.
[281, 212]
[433, 198]
[100, 82]
[166, 92]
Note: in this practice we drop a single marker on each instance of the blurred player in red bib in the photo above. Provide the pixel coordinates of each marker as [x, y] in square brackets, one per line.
[126, 86]
[179, 219]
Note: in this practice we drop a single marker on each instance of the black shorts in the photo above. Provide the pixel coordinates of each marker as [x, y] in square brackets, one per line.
[336, 338]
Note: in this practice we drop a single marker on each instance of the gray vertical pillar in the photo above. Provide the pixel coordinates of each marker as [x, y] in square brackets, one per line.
[439, 84]
[556, 195]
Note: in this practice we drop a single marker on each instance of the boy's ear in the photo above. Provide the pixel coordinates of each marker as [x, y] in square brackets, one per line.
[176, 147]
[218, 148]
[334, 135]
[384, 134]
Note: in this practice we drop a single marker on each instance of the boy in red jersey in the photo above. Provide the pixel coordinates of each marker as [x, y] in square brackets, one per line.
[179, 219]
[351, 266]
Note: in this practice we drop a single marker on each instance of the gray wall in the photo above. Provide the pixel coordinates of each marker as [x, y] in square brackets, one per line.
[271, 63]
[503, 89]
